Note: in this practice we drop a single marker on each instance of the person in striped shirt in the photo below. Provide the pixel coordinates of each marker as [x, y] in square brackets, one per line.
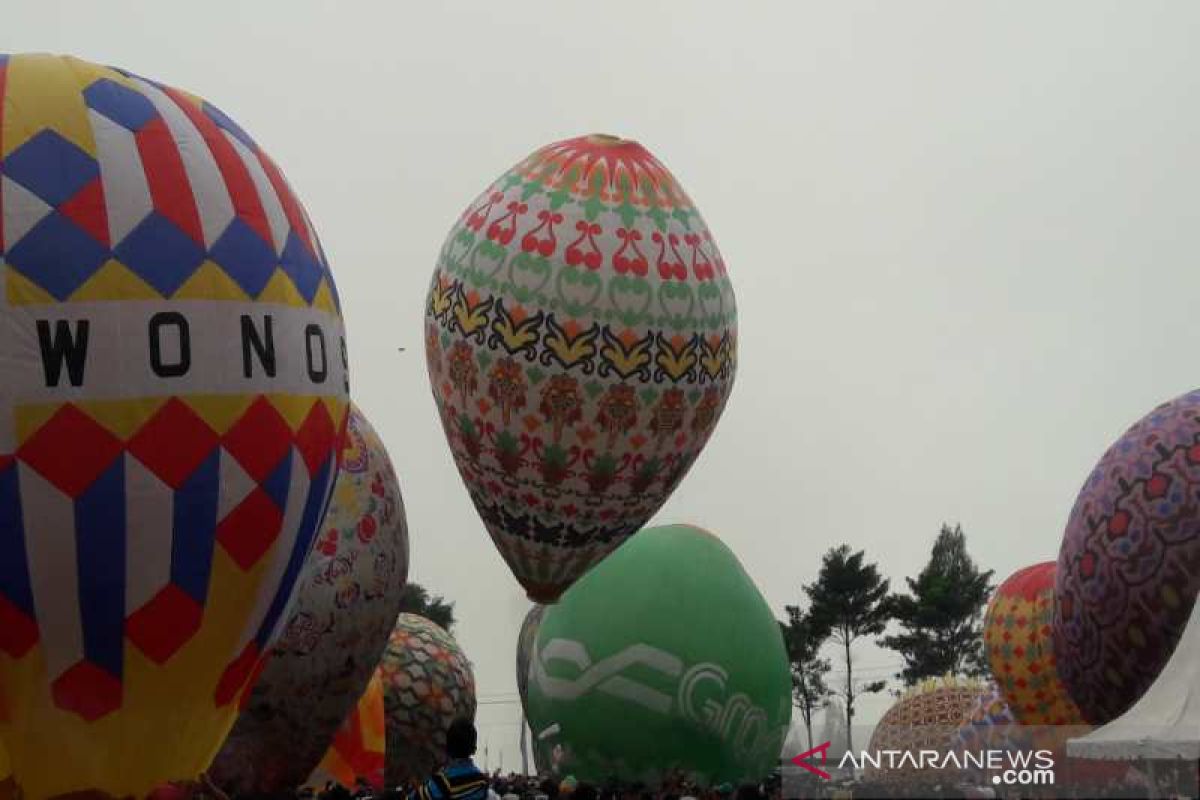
[460, 779]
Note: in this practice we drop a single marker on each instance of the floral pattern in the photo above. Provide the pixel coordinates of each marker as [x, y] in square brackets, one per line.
[339, 623]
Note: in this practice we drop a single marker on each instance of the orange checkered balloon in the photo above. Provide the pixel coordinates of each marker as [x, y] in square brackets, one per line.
[1018, 636]
[358, 748]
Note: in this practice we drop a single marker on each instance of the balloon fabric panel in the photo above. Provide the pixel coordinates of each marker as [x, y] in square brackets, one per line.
[170, 421]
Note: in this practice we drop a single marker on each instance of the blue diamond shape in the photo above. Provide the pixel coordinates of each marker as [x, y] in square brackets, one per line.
[300, 265]
[245, 257]
[160, 253]
[128, 108]
[57, 255]
[51, 167]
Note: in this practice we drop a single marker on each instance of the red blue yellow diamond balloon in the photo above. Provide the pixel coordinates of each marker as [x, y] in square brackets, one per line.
[170, 418]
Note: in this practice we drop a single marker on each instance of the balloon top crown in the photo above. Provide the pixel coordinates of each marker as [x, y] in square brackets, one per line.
[606, 167]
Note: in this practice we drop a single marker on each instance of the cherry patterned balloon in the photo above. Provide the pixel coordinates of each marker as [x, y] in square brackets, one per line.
[581, 337]
[427, 684]
[349, 595]
[171, 413]
[1129, 567]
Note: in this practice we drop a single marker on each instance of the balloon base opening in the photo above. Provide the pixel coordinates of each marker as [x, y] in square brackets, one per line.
[543, 594]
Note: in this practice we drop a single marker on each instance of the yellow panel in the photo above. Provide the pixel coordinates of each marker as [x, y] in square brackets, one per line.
[294, 408]
[280, 289]
[323, 299]
[218, 410]
[44, 91]
[168, 717]
[30, 417]
[209, 282]
[115, 281]
[23, 292]
[123, 418]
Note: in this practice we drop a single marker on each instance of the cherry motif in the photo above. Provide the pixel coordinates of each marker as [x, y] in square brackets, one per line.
[575, 255]
[621, 263]
[480, 215]
[545, 247]
[717, 260]
[505, 234]
[669, 269]
[701, 266]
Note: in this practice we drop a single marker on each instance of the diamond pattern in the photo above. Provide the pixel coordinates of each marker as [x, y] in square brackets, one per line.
[160, 253]
[165, 624]
[57, 255]
[128, 108]
[51, 167]
[300, 265]
[259, 440]
[250, 529]
[174, 443]
[316, 436]
[245, 257]
[71, 451]
[88, 691]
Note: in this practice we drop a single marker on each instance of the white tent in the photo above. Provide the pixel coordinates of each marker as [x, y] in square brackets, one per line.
[1165, 722]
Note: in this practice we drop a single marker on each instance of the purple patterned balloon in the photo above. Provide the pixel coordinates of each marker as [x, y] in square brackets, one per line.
[1129, 568]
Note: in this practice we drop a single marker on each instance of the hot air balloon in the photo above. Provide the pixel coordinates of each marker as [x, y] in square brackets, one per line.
[664, 657]
[989, 723]
[1018, 638]
[525, 642]
[427, 684]
[925, 718]
[346, 603]
[1129, 567]
[357, 751]
[170, 421]
[581, 338]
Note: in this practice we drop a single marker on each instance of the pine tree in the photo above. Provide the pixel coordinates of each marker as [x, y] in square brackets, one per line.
[941, 616]
[849, 601]
[804, 641]
[417, 600]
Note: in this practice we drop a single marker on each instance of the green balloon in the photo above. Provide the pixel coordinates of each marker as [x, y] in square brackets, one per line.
[664, 658]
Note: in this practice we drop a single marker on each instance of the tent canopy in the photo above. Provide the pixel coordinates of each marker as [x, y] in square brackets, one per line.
[1165, 722]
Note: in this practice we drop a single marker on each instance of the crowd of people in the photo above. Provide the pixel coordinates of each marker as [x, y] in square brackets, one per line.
[461, 779]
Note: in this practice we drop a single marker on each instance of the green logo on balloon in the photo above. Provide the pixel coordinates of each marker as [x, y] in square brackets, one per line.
[663, 658]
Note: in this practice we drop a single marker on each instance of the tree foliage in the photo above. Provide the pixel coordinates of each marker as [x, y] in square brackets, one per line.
[803, 641]
[417, 600]
[941, 616]
[849, 601]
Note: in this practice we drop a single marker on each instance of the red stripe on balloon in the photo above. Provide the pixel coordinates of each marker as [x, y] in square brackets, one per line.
[291, 206]
[170, 188]
[238, 181]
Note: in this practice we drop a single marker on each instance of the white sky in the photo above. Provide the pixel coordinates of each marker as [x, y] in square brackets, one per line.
[963, 238]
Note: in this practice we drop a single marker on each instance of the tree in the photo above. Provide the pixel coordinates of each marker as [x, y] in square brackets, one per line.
[941, 619]
[803, 641]
[417, 600]
[849, 601]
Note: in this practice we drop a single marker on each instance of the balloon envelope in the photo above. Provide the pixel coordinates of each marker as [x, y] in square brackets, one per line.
[170, 420]
[1018, 637]
[427, 683]
[525, 642]
[926, 717]
[581, 336]
[358, 747]
[663, 657]
[347, 601]
[1129, 567]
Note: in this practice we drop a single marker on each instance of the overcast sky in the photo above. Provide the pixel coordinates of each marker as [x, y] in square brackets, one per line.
[963, 238]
